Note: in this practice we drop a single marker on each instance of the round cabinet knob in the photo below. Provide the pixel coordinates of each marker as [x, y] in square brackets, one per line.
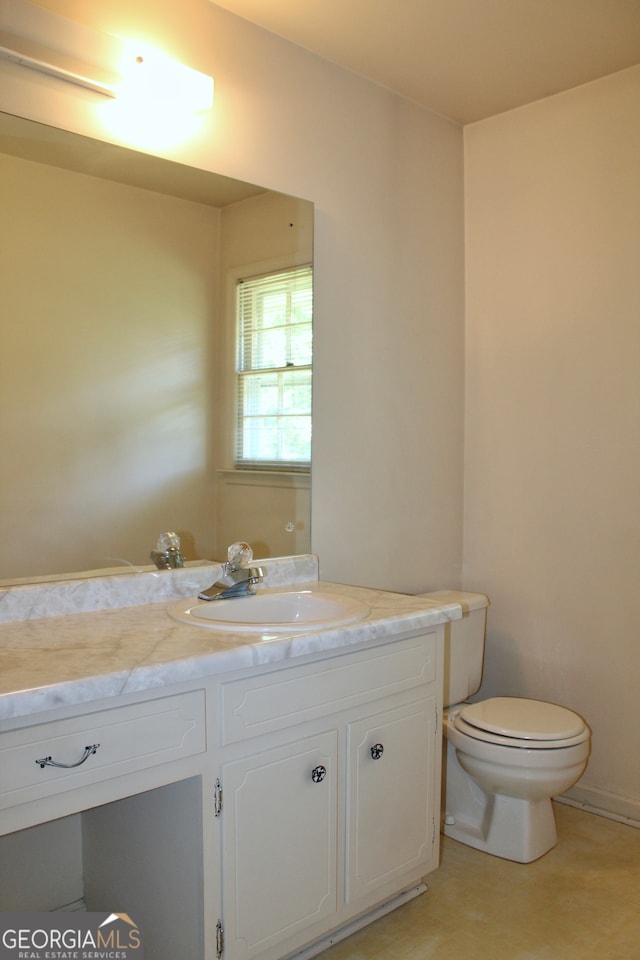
[377, 750]
[318, 774]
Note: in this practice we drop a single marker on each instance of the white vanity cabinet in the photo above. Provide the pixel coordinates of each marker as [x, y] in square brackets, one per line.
[392, 820]
[329, 783]
[241, 798]
[104, 809]
[279, 844]
[68, 765]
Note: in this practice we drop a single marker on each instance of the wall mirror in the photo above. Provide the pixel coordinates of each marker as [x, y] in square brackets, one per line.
[117, 282]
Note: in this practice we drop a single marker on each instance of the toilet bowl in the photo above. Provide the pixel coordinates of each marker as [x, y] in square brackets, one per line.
[505, 757]
[499, 782]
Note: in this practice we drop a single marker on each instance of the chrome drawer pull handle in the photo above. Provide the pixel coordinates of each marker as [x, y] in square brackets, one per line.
[88, 752]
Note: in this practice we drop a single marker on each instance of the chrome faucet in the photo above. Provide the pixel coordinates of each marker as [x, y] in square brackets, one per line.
[237, 578]
[167, 554]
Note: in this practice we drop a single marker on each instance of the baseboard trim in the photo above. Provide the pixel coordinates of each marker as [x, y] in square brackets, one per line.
[359, 922]
[603, 804]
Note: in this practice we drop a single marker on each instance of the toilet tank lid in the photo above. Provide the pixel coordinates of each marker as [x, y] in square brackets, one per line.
[468, 601]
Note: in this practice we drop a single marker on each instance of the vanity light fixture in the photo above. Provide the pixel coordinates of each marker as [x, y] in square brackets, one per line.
[128, 70]
[150, 76]
[144, 75]
[35, 56]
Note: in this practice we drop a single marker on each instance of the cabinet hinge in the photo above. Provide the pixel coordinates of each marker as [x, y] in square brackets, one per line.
[217, 798]
[219, 939]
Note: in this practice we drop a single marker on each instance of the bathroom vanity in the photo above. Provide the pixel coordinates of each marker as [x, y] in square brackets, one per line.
[239, 794]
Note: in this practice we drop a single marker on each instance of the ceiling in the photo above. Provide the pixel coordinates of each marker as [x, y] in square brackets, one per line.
[464, 59]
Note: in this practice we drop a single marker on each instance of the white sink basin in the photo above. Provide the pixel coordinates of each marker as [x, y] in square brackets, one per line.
[293, 611]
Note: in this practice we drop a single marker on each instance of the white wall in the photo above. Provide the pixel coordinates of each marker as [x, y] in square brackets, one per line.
[386, 179]
[552, 475]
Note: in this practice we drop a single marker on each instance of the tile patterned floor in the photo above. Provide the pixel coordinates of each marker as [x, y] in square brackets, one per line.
[579, 902]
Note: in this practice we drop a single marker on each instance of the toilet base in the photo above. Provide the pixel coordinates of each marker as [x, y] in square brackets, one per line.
[511, 828]
[514, 828]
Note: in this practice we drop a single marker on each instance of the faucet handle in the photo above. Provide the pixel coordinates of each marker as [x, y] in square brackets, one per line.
[239, 555]
[168, 541]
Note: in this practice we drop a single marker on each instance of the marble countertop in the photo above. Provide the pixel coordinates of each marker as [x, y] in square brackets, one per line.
[75, 658]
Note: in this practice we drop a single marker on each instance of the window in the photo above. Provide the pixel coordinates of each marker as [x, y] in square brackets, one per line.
[273, 372]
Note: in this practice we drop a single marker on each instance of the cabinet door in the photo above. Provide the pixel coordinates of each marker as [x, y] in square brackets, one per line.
[390, 784]
[279, 844]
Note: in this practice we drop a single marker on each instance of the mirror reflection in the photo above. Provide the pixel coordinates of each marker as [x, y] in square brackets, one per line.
[119, 396]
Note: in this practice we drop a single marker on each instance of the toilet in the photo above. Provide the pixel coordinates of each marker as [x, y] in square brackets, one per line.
[506, 757]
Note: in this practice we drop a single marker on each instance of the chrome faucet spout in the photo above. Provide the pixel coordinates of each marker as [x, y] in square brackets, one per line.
[237, 580]
[167, 555]
[237, 583]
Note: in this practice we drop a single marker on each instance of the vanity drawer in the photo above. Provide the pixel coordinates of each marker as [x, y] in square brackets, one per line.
[99, 746]
[264, 703]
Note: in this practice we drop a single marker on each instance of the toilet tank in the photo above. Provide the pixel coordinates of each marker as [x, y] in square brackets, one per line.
[463, 644]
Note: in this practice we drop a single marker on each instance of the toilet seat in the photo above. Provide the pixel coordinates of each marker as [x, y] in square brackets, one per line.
[516, 722]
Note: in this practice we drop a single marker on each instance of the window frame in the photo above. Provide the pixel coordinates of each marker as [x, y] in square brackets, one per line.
[272, 465]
